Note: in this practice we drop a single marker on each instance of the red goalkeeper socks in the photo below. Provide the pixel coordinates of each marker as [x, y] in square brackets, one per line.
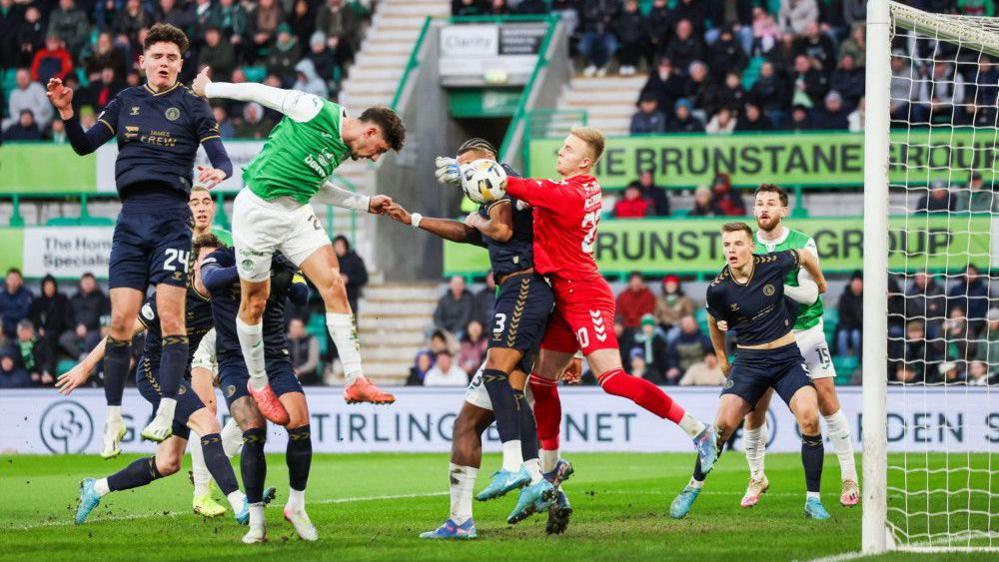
[547, 411]
[641, 392]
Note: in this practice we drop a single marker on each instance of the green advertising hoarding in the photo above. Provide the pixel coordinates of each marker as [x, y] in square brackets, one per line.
[824, 158]
[45, 168]
[693, 246]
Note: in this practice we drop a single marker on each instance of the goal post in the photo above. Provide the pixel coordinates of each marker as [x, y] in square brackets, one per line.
[931, 134]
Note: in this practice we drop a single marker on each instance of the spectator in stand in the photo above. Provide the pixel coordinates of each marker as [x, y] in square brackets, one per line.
[768, 93]
[637, 367]
[304, 352]
[925, 301]
[71, 25]
[105, 55]
[57, 132]
[633, 205]
[102, 91]
[817, 46]
[832, 117]
[445, 372]
[473, 348]
[625, 340]
[752, 120]
[848, 80]
[633, 33]
[133, 18]
[303, 20]
[12, 374]
[960, 344]
[920, 358]
[216, 54]
[856, 117]
[283, 56]
[28, 95]
[689, 347]
[308, 80]
[338, 22]
[851, 317]
[53, 61]
[987, 350]
[941, 92]
[650, 342]
[456, 308]
[598, 43]
[856, 45]
[323, 60]
[729, 96]
[704, 373]
[726, 56]
[702, 203]
[979, 375]
[809, 85]
[206, 14]
[685, 47]
[34, 356]
[263, 25]
[800, 119]
[672, 306]
[353, 271]
[29, 36]
[25, 129]
[684, 121]
[693, 11]
[88, 306]
[466, 8]
[175, 13]
[976, 199]
[423, 362]
[568, 12]
[10, 20]
[485, 301]
[655, 194]
[766, 32]
[698, 89]
[648, 120]
[50, 315]
[725, 201]
[984, 84]
[255, 124]
[971, 294]
[226, 130]
[855, 11]
[723, 123]
[660, 26]
[796, 15]
[635, 301]
[15, 302]
[664, 84]
[938, 200]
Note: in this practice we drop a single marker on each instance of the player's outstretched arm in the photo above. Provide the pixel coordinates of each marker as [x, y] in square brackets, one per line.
[541, 193]
[331, 194]
[83, 142]
[447, 229]
[811, 264]
[297, 105]
[499, 225]
[80, 373]
[807, 291]
[718, 343]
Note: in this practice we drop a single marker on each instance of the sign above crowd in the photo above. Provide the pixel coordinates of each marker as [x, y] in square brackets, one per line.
[823, 158]
[477, 54]
[693, 246]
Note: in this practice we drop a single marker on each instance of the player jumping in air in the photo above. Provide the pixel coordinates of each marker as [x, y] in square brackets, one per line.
[158, 126]
[220, 277]
[770, 208]
[272, 213]
[497, 392]
[190, 414]
[566, 214]
[748, 294]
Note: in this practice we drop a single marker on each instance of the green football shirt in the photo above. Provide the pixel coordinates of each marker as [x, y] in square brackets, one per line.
[298, 157]
[808, 316]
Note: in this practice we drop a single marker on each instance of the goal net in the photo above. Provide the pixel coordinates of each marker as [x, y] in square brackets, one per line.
[930, 425]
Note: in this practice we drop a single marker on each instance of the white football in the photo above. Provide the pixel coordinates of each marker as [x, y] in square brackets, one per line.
[483, 181]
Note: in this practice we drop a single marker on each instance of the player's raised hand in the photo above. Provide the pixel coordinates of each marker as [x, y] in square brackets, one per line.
[210, 177]
[61, 97]
[397, 213]
[473, 219]
[201, 81]
[73, 379]
[722, 325]
[447, 170]
[379, 204]
[573, 374]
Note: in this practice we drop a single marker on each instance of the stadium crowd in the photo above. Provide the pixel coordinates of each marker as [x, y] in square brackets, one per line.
[94, 45]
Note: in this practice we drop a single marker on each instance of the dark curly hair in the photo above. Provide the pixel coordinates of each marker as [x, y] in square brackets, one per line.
[166, 33]
[389, 122]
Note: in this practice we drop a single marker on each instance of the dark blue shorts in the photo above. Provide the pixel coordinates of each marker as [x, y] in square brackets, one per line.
[756, 370]
[523, 307]
[151, 244]
[233, 377]
[148, 382]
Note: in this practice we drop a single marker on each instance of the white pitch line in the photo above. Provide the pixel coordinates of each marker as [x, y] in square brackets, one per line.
[841, 557]
[177, 513]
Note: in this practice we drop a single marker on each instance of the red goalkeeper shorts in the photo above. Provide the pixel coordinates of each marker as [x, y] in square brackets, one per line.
[583, 317]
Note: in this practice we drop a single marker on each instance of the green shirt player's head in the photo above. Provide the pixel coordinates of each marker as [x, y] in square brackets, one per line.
[770, 206]
[372, 134]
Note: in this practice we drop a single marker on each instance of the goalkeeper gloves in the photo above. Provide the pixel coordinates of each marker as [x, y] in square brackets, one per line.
[447, 171]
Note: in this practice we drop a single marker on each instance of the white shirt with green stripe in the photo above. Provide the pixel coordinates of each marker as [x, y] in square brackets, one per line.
[809, 315]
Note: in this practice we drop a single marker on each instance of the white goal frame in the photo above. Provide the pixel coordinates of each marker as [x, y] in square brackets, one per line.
[883, 16]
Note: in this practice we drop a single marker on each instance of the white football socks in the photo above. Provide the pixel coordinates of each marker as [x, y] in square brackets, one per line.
[755, 443]
[101, 487]
[114, 413]
[296, 500]
[251, 343]
[344, 334]
[257, 520]
[549, 459]
[533, 467]
[512, 458]
[236, 499]
[166, 408]
[462, 483]
[232, 438]
[838, 429]
[199, 470]
[691, 425]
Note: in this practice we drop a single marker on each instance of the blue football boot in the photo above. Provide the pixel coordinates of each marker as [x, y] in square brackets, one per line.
[562, 471]
[815, 510]
[243, 516]
[452, 531]
[707, 448]
[682, 503]
[533, 499]
[89, 500]
[503, 482]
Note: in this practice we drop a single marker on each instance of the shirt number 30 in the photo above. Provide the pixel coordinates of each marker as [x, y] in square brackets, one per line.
[590, 221]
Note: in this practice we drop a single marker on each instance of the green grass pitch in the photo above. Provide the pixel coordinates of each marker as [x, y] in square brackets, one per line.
[372, 506]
